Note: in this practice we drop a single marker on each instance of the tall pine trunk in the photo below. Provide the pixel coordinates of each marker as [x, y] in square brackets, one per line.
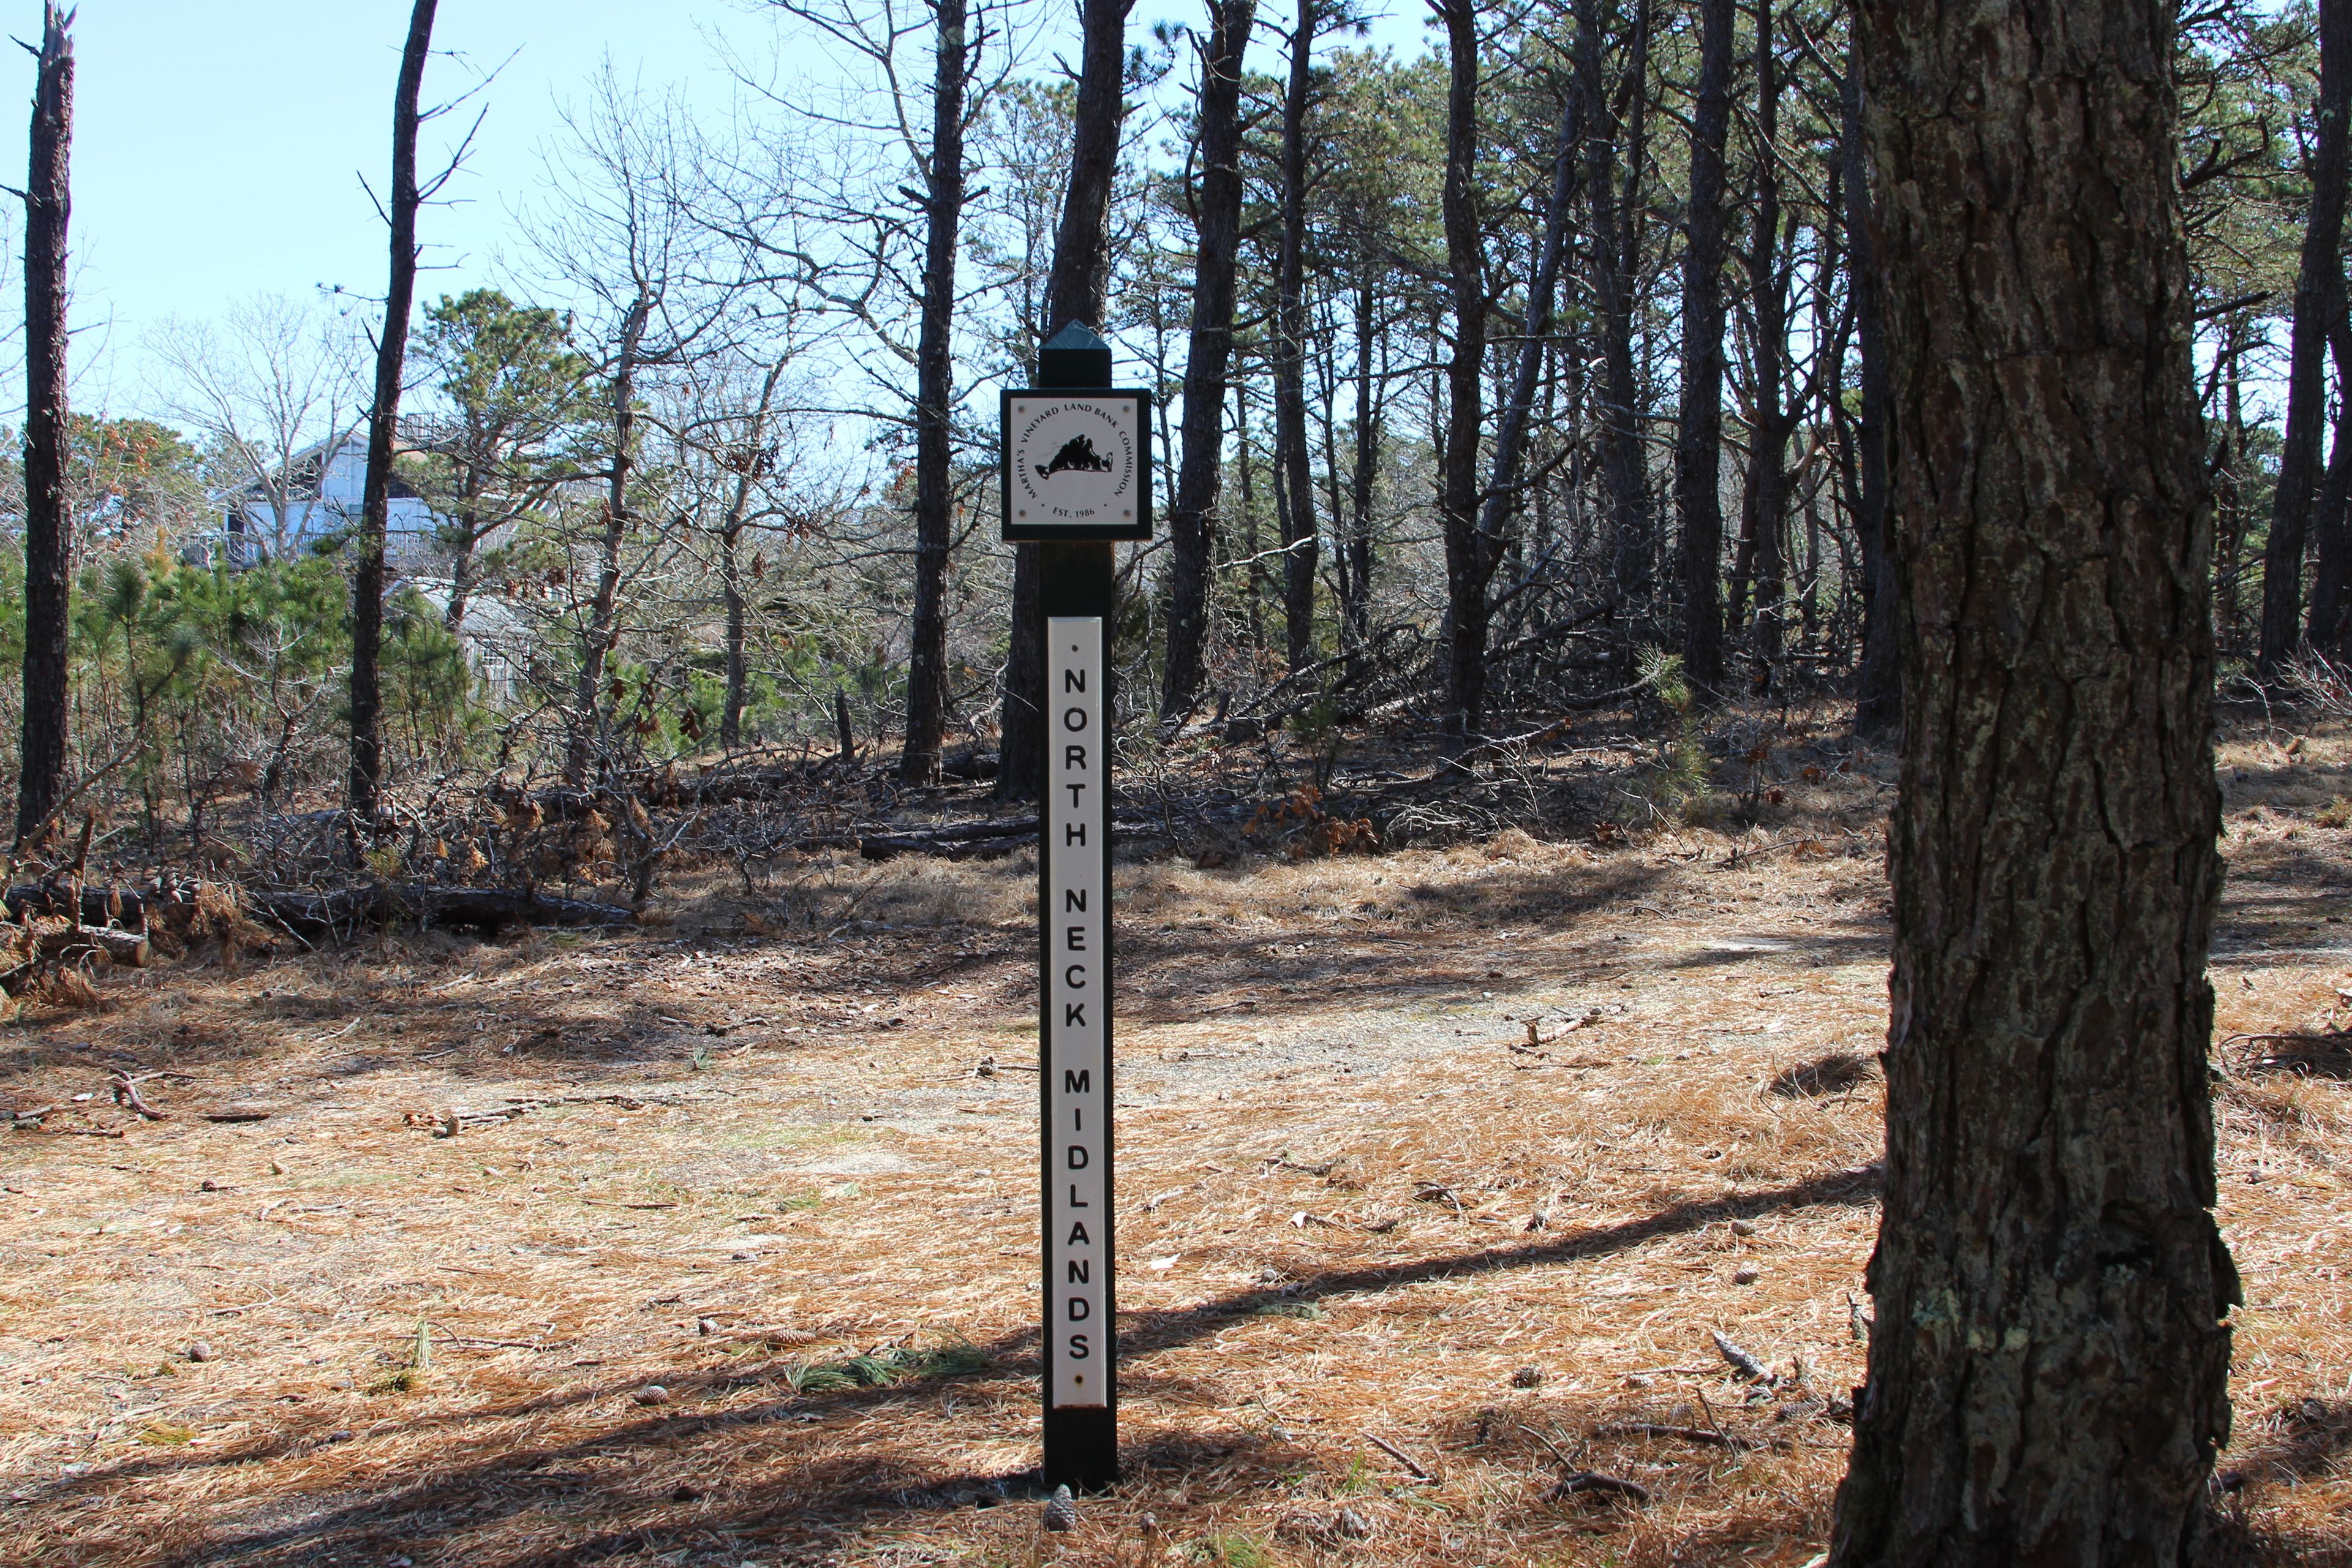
[2318, 301]
[383, 430]
[1468, 558]
[1075, 292]
[927, 665]
[48, 528]
[2048, 1377]
[1217, 222]
[1698, 438]
[1294, 488]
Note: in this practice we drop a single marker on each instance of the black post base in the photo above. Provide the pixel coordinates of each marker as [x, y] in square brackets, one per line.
[1082, 1449]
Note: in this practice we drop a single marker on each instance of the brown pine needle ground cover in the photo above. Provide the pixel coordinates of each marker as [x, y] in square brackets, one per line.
[714, 1243]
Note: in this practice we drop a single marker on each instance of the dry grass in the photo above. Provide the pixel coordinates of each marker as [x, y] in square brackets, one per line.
[755, 1164]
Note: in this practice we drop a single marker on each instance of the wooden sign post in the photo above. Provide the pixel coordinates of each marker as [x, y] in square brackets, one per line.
[1076, 477]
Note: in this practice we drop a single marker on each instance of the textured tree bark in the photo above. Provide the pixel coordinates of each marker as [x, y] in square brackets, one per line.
[1294, 491]
[2318, 301]
[927, 665]
[48, 529]
[1878, 684]
[383, 430]
[1698, 438]
[1465, 553]
[1075, 292]
[1192, 521]
[2047, 1379]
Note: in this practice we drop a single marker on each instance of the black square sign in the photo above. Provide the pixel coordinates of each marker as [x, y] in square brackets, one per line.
[1077, 464]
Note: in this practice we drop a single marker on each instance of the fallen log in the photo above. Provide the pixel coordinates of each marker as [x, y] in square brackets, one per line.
[976, 838]
[943, 840]
[312, 915]
[489, 911]
[25, 951]
[126, 907]
[127, 948]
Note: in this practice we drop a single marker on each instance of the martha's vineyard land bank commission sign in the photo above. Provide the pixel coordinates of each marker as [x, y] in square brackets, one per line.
[1077, 466]
[1076, 476]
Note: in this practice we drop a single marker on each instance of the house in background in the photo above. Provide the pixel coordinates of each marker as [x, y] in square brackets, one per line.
[322, 497]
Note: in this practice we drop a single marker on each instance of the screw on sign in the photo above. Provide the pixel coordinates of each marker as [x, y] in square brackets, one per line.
[1076, 476]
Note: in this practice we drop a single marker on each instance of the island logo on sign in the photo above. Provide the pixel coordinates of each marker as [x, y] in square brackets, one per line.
[1077, 452]
[1074, 465]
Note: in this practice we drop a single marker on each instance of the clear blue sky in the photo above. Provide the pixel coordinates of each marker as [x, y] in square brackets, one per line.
[218, 146]
[219, 143]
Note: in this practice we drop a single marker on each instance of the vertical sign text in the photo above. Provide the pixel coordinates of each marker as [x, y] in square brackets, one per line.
[1076, 927]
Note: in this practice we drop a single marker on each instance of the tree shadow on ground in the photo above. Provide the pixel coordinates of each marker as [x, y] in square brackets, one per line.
[2309, 1439]
[1820, 949]
[576, 1479]
[1160, 1330]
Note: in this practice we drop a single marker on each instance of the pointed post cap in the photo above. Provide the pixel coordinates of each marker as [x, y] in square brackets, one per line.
[1074, 357]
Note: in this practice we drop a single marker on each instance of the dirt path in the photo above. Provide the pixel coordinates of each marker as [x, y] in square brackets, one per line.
[784, 1173]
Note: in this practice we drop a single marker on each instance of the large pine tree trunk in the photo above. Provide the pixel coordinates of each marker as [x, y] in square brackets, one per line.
[1075, 292]
[927, 665]
[1191, 533]
[1295, 488]
[48, 528]
[383, 429]
[2047, 1380]
[1468, 567]
[2318, 301]
[1698, 437]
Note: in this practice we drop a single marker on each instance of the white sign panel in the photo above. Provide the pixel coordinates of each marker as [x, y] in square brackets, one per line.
[1078, 1000]
[1077, 464]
